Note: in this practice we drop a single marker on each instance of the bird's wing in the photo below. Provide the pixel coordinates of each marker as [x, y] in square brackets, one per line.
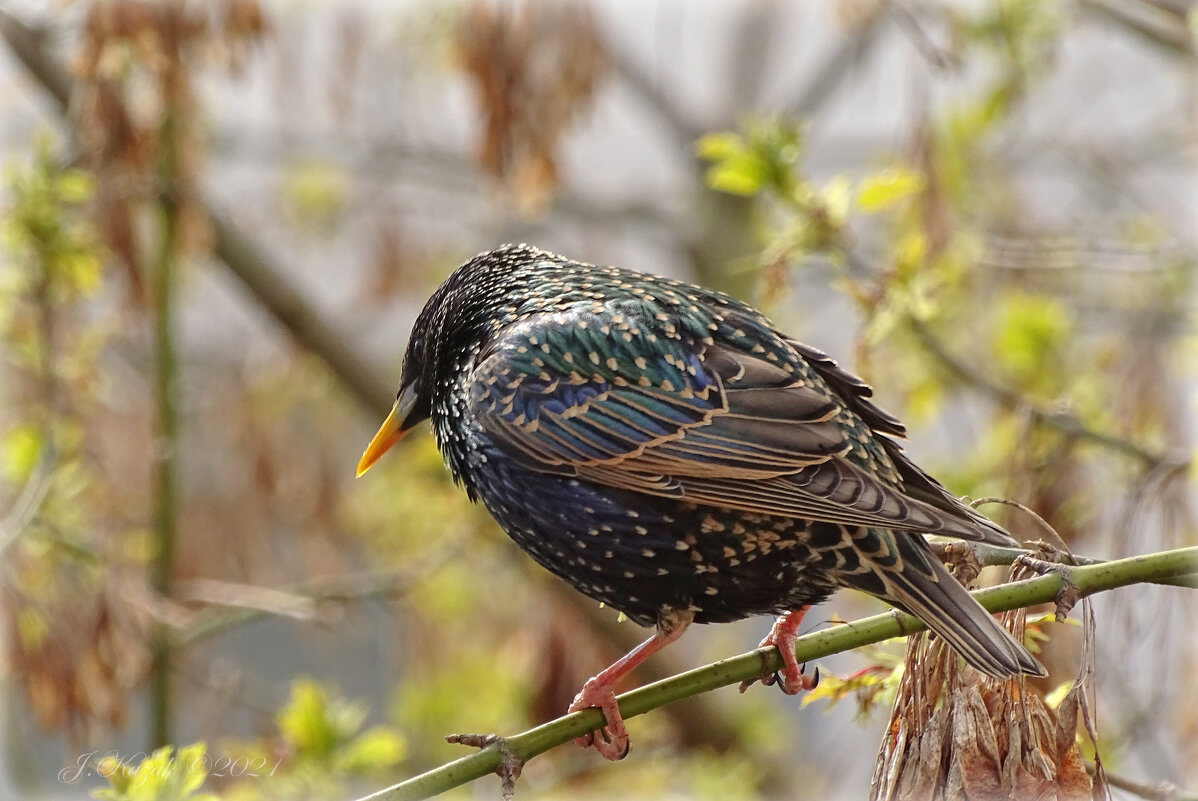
[633, 404]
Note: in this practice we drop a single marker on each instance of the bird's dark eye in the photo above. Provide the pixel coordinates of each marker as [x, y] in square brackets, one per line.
[416, 349]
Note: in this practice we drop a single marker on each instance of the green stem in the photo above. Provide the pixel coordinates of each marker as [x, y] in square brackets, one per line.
[1089, 579]
[166, 421]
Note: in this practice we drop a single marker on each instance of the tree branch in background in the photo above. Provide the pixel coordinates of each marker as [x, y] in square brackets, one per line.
[1153, 22]
[236, 604]
[1061, 420]
[836, 639]
[267, 286]
[839, 64]
[684, 130]
[1163, 791]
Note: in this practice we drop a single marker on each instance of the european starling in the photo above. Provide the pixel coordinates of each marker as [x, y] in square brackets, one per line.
[667, 451]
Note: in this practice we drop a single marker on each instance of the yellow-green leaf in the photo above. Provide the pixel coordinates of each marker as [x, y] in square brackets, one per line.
[315, 192]
[162, 776]
[379, 747]
[19, 450]
[304, 722]
[75, 186]
[1030, 330]
[741, 174]
[32, 627]
[910, 251]
[1054, 698]
[719, 146]
[886, 188]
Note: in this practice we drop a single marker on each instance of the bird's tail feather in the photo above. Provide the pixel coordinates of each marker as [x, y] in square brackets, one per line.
[925, 589]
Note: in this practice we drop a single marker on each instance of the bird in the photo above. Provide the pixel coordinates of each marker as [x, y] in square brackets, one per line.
[671, 453]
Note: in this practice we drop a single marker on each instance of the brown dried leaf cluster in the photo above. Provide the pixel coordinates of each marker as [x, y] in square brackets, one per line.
[136, 64]
[956, 735]
[74, 658]
[536, 68]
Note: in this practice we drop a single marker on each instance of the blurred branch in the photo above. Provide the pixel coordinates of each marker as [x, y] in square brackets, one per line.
[37, 488]
[681, 127]
[380, 164]
[754, 42]
[266, 284]
[27, 504]
[30, 46]
[908, 22]
[1061, 420]
[244, 604]
[1042, 589]
[1165, 28]
[839, 64]
[1162, 791]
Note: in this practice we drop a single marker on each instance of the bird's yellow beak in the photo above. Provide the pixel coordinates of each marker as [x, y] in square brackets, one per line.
[391, 431]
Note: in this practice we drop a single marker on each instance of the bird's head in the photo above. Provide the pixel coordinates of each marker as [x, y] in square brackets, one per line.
[413, 403]
[447, 336]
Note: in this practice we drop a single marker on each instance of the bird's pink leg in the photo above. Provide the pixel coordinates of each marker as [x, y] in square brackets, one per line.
[782, 636]
[612, 741]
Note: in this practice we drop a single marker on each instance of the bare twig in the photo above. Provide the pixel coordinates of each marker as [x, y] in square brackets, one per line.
[938, 57]
[1162, 791]
[510, 765]
[1044, 525]
[240, 604]
[999, 556]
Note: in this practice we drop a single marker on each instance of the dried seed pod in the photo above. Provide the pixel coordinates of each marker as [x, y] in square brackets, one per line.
[956, 734]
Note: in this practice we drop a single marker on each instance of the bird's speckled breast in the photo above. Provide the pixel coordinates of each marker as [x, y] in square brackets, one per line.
[639, 554]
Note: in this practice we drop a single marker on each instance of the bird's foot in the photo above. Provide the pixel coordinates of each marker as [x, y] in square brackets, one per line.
[612, 740]
[791, 679]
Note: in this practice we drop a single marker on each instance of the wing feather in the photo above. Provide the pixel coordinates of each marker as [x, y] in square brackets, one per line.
[708, 421]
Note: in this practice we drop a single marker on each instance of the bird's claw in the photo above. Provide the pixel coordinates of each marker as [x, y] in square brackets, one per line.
[794, 682]
[613, 742]
[789, 684]
[790, 678]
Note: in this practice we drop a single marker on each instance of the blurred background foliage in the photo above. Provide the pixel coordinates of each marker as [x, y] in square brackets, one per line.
[218, 220]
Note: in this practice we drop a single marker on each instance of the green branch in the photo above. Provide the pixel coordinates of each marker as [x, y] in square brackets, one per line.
[166, 399]
[1089, 579]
